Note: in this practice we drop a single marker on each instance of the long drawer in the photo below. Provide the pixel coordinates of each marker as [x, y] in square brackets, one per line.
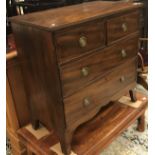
[80, 73]
[123, 25]
[83, 103]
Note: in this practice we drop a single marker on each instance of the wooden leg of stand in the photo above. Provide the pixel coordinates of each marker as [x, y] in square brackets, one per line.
[141, 123]
[132, 95]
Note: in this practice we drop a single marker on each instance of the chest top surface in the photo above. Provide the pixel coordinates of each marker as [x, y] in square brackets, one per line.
[54, 19]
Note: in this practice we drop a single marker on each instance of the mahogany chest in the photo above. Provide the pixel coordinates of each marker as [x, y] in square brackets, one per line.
[75, 60]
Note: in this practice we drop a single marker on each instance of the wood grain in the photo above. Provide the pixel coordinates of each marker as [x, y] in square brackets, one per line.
[54, 45]
[17, 89]
[93, 136]
[98, 64]
[12, 119]
[115, 29]
[15, 115]
[40, 74]
[105, 127]
[55, 19]
[68, 40]
[100, 93]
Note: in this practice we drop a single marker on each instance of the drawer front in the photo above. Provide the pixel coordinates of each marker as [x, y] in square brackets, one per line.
[76, 41]
[82, 72]
[121, 26]
[80, 106]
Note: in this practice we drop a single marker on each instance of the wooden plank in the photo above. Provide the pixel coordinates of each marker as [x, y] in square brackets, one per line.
[15, 94]
[10, 109]
[17, 148]
[13, 121]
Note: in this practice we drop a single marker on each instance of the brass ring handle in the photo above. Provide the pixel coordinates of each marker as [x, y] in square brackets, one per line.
[85, 71]
[83, 41]
[122, 79]
[123, 53]
[124, 27]
[86, 101]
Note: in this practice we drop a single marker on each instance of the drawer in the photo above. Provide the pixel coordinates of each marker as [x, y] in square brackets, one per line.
[75, 41]
[82, 104]
[121, 26]
[82, 72]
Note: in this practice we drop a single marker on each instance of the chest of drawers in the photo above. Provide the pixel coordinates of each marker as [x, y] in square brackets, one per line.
[75, 60]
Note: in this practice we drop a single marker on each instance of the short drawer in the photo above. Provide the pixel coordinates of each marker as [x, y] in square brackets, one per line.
[81, 106]
[121, 26]
[78, 74]
[78, 40]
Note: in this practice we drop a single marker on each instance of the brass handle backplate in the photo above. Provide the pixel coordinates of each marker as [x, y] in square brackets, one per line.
[124, 27]
[83, 41]
[86, 101]
[85, 71]
[123, 53]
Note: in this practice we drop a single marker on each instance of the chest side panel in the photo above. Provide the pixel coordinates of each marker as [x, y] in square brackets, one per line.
[41, 75]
